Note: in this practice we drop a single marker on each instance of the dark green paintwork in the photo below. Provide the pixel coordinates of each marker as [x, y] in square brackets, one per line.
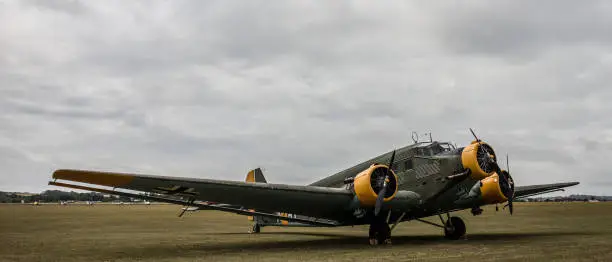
[423, 168]
[424, 189]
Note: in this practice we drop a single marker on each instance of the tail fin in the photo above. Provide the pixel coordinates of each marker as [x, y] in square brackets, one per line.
[256, 175]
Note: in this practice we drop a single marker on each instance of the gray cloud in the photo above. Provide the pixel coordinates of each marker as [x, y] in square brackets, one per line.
[212, 89]
[525, 28]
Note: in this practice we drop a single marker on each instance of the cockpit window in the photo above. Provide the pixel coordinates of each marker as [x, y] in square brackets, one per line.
[434, 148]
[447, 146]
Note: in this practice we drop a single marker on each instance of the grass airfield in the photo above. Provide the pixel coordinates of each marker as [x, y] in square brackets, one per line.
[536, 232]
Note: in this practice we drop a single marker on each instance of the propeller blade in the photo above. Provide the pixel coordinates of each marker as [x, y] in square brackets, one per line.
[507, 181]
[493, 163]
[379, 200]
[507, 163]
[381, 194]
[474, 134]
[511, 185]
[510, 207]
[391, 163]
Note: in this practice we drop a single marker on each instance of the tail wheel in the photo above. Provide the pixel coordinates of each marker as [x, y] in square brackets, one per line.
[454, 228]
[255, 229]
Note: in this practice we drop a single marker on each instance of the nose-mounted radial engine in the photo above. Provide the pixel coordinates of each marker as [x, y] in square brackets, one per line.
[375, 185]
[495, 185]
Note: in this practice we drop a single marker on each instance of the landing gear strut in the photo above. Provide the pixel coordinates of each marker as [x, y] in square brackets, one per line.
[454, 227]
[380, 232]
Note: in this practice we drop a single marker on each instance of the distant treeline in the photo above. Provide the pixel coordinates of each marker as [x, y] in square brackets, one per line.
[583, 198]
[55, 196]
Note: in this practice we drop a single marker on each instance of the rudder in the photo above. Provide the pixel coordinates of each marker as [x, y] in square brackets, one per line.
[255, 176]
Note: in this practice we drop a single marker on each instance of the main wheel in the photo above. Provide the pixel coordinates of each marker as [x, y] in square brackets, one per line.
[380, 233]
[384, 234]
[454, 228]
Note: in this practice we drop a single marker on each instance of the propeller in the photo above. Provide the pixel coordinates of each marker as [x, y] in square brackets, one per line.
[381, 194]
[511, 184]
[505, 180]
[507, 184]
[474, 134]
[507, 163]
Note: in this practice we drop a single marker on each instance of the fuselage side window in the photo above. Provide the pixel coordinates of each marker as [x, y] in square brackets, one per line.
[408, 164]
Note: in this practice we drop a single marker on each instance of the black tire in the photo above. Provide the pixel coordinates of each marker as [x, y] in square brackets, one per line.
[384, 233]
[380, 231]
[372, 232]
[454, 228]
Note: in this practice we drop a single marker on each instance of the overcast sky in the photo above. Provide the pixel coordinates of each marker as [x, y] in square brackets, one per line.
[211, 89]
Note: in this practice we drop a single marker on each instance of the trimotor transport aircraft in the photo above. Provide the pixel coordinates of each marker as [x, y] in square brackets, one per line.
[425, 179]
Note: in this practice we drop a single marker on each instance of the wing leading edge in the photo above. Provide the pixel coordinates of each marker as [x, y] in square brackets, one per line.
[203, 205]
[321, 202]
[527, 191]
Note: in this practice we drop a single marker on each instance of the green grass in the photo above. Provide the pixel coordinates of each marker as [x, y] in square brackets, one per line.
[536, 232]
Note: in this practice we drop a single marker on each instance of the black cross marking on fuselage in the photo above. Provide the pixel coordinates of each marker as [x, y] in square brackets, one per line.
[177, 190]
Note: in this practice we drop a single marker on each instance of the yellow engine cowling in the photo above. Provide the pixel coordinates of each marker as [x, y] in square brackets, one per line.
[366, 188]
[491, 191]
[472, 159]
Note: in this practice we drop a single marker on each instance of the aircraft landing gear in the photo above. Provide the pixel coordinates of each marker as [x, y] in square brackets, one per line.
[454, 228]
[256, 228]
[380, 232]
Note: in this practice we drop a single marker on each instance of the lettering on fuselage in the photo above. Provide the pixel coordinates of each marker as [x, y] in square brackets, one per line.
[425, 170]
[287, 215]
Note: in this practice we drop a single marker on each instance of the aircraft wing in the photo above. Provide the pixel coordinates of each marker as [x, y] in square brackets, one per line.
[320, 202]
[527, 191]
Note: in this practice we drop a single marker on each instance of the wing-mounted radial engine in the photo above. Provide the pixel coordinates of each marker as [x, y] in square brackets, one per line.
[495, 185]
[480, 159]
[369, 183]
[497, 188]
[375, 185]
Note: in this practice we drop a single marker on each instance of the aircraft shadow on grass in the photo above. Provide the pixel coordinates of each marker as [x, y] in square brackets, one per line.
[339, 241]
[345, 242]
